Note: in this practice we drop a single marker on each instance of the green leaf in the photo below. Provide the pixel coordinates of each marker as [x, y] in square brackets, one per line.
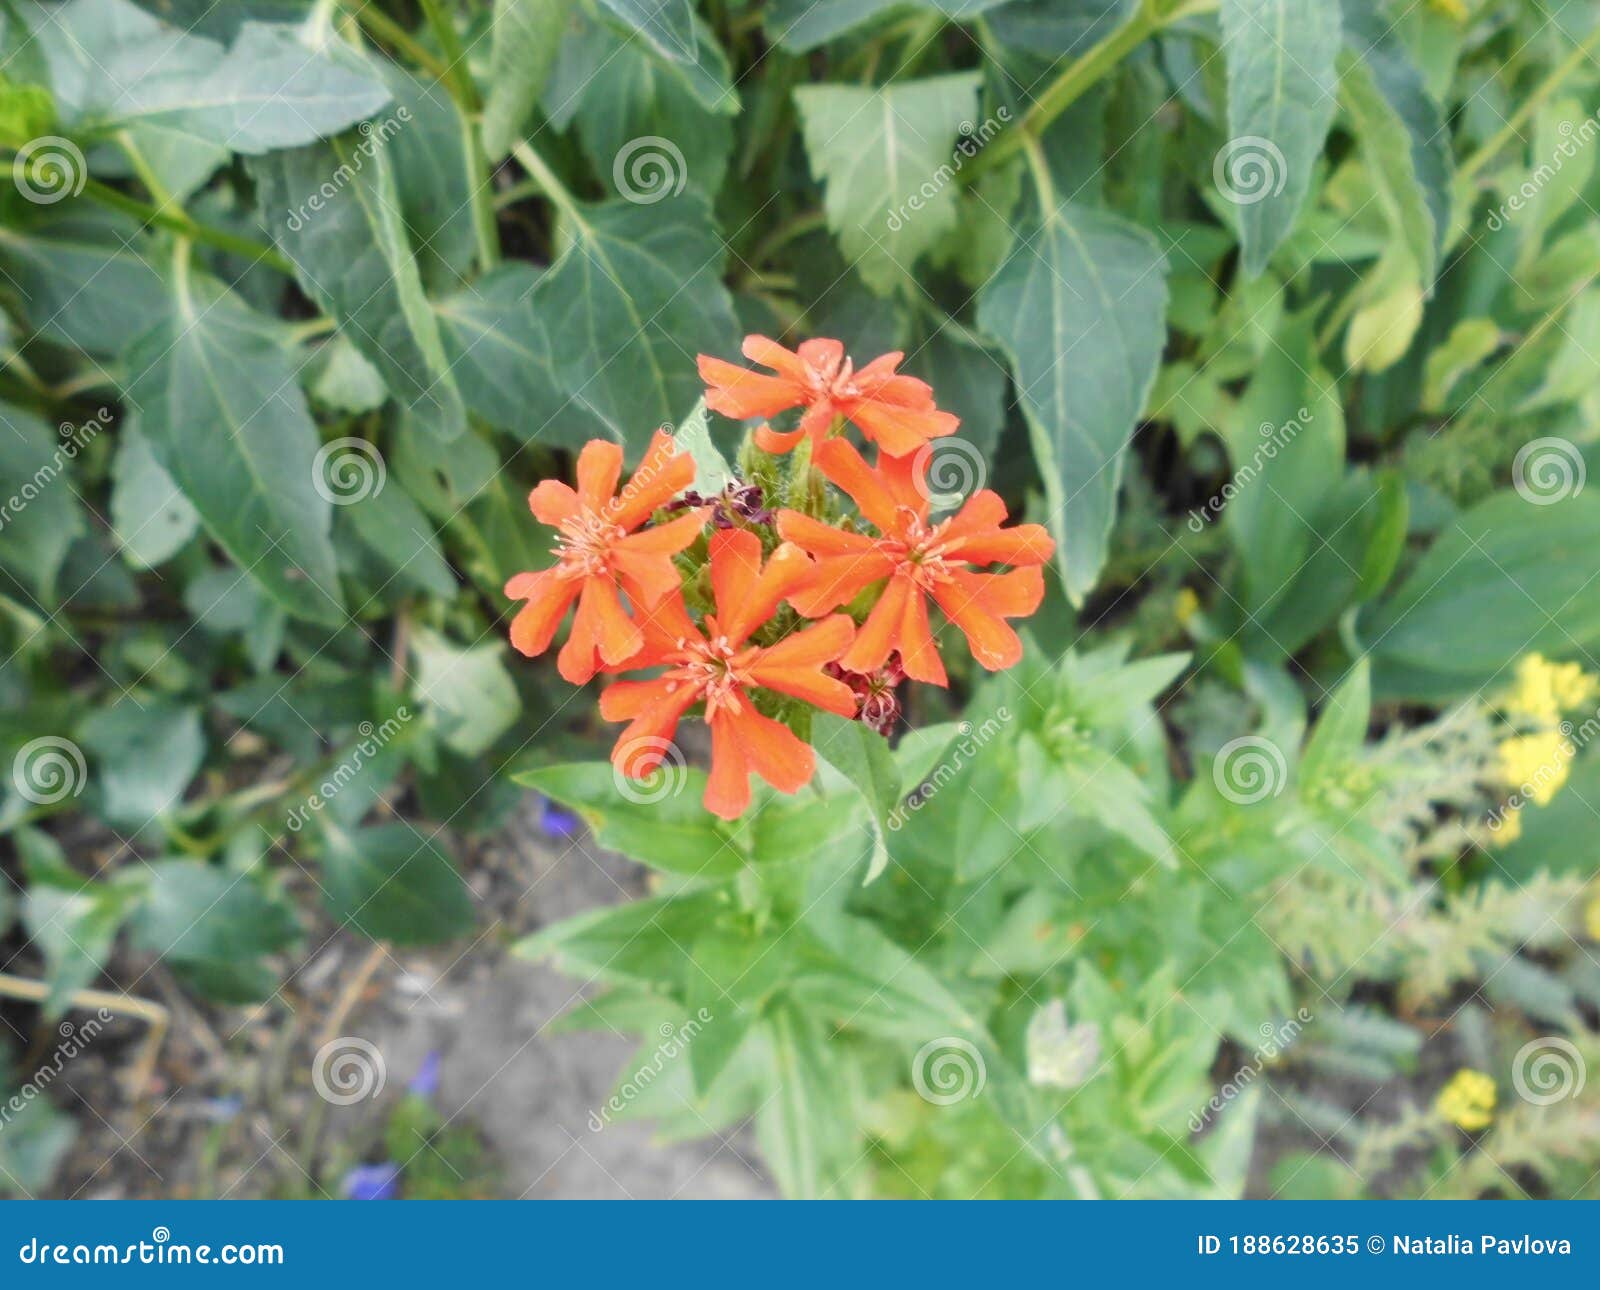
[471, 695]
[1342, 728]
[795, 1125]
[659, 821]
[644, 941]
[886, 158]
[87, 285]
[152, 518]
[673, 31]
[1506, 578]
[36, 1140]
[634, 297]
[642, 126]
[711, 470]
[499, 349]
[1403, 135]
[862, 757]
[353, 256]
[1282, 89]
[145, 755]
[40, 514]
[523, 39]
[214, 928]
[395, 530]
[802, 25]
[215, 388]
[113, 66]
[71, 920]
[1078, 305]
[392, 882]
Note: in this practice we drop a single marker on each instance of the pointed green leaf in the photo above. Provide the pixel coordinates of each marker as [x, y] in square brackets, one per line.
[218, 401]
[1079, 306]
[887, 161]
[523, 40]
[392, 882]
[1282, 89]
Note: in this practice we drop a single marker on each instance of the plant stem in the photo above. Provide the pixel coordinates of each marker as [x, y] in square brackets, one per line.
[796, 226]
[542, 175]
[1529, 105]
[388, 30]
[1081, 76]
[457, 76]
[182, 223]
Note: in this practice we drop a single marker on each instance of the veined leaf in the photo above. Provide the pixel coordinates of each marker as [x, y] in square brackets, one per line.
[215, 388]
[353, 256]
[886, 157]
[1402, 132]
[1079, 306]
[1282, 89]
[392, 882]
[499, 349]
[523, 40]
[800, 25]
[671, 28]
[634, 297]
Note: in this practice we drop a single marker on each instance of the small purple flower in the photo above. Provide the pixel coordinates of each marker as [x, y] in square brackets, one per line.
[425, 1083]
[556, 820]
[372, 1182]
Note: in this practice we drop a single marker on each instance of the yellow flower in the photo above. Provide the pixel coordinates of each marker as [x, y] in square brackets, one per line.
[1456, 9]
[1535, 764]
[1510, 827]
[1543, 690]
[1591, 917]
[1467, 1101]
[1185, 605]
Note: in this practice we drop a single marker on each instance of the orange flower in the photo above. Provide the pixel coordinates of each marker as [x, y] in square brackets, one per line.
[716, 666]
[918, 561]
[598, 551]
[896, 412]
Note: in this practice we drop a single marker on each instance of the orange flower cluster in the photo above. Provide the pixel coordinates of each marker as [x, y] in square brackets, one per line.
[868, 590]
